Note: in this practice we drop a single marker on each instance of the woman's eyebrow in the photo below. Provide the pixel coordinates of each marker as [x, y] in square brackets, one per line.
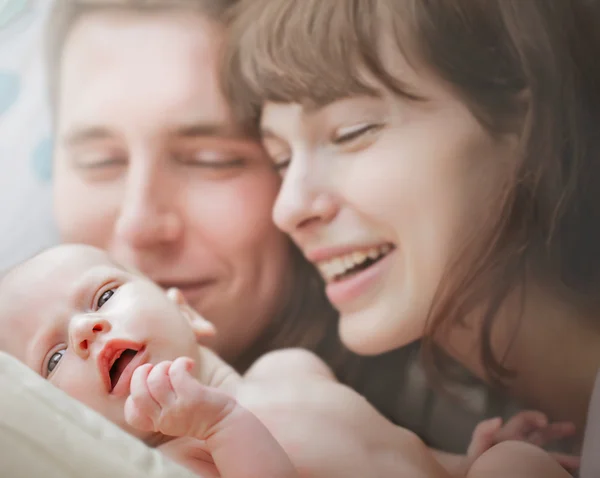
[266, 133]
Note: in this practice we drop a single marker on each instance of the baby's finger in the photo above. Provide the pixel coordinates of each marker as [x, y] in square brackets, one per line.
[159, 384]
[182, 381]
[483, 437]
[522, 425]
[568, 462]
[208, 401]
[553, 432]
[141, 403]
[135, 417]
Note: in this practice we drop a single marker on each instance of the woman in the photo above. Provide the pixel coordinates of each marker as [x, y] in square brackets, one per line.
[439, 163]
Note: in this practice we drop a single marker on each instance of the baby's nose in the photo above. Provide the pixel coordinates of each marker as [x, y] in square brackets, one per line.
[85, 331]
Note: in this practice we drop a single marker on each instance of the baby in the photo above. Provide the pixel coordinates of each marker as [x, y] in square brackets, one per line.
[114, 340]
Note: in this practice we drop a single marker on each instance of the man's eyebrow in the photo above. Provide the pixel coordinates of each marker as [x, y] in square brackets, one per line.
[81, 135]
[208, 130]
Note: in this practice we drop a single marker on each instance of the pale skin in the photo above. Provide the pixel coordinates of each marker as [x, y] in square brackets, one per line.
[212, 420]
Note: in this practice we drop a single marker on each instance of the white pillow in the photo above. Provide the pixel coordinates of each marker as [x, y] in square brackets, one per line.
[45, 433]
[26, 224]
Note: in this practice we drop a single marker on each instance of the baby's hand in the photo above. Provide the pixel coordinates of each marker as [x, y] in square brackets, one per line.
[528, 426]
[166, 398]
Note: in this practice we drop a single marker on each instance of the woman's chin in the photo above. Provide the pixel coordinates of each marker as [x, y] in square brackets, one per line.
[371, 332]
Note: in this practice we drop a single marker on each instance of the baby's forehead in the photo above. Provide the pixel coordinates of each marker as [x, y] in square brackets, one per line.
[50, 274]
[40, 288]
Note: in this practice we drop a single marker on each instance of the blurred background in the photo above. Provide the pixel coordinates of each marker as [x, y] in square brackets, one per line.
[26, 224]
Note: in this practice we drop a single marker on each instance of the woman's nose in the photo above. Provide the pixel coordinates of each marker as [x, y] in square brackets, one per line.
[303, 203]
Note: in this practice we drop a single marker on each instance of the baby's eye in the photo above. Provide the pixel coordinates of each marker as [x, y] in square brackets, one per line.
[105, 297]
[54, 359]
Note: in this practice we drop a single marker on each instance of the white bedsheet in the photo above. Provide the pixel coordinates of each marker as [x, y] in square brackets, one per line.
[26, 224]
[45, 433]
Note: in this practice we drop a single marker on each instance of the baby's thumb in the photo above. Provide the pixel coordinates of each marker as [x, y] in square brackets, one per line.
[213, 371]
[484, 437]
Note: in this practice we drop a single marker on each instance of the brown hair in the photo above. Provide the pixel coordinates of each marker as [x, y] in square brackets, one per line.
[520, 66]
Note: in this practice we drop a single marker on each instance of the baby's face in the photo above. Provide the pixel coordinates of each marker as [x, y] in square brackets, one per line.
[85, 324]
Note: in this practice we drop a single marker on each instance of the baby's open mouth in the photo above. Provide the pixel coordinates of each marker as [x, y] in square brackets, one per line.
[116, 363]
[122, 360]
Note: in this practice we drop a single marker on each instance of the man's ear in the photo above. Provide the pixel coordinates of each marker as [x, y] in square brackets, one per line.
[201, 327]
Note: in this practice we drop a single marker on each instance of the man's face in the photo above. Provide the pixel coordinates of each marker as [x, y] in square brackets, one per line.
[150, 167]
[84, 323]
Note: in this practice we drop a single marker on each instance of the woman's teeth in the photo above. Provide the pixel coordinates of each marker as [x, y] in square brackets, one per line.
[340, 266]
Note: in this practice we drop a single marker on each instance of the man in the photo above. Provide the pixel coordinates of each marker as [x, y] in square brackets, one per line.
[150, 166]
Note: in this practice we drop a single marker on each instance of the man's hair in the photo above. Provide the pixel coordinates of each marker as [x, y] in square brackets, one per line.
[66, 13]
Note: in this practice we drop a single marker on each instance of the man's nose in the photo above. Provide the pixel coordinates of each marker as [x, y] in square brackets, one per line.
[149, 215]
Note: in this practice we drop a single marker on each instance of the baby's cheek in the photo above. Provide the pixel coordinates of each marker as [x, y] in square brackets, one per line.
[85, 387]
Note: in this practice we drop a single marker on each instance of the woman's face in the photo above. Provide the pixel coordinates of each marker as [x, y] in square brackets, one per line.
[150, 166]
[380, 193]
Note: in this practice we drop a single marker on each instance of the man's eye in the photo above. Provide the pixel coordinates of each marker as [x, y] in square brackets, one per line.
[99, 161]
[105, 297]
[211, 159]
[54, 359]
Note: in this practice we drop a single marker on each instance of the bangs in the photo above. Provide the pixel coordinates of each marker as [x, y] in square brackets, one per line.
[304, 51]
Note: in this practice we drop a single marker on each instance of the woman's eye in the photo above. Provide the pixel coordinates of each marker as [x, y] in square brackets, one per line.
[54, 359]
[279, 154]
[105, 297]
[345, 135]
[281, 165]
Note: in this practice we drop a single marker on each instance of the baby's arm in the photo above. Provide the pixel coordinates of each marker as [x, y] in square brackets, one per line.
[166, 398]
